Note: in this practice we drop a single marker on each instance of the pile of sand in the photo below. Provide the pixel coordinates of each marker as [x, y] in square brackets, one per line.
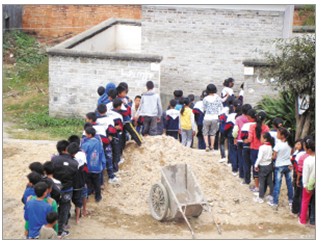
[124, 209]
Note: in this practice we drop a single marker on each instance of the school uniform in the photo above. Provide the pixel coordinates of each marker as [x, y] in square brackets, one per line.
[198, 111]
[172, 123]
[232, 148]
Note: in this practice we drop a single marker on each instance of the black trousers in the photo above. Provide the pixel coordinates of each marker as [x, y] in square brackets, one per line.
[265, 179]
[64, 210]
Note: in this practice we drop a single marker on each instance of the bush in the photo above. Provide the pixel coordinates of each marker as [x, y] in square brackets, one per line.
[281, 107]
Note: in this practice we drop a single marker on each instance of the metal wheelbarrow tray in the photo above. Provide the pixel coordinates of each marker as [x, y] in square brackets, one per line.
[178, 195]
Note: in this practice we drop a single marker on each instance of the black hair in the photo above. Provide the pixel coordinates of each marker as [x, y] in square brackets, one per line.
[204, 94]
[277, 122]
[49, 182]
[102, 108]
[40, 188]
[149, 85]
[62, 146]
[211, 88]
[117, 102]
[178, 93]
[124, 84]
[51, 217]
[101, 90]
[48, 167]
[173, 103]
[269, 138]
[34, 177]
[260, 117]
[138, 96]
[186, 102]
[181, 100]
[91, 116]
[91, 131]
[229, 80]
[252, 113]
[73, 148]
[191, 97]
[112, 93]
[74, 138]
[246, 107]
[301, 141]
[87, 125]
[37, 167]
[309, 142]
[287, 135]
[120, 89]
[225, 83]
[237, 104]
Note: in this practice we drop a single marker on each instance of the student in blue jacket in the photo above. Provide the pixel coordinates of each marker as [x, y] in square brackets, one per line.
[95, 158]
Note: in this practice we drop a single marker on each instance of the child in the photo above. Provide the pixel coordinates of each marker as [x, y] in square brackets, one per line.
[264, 166]
[37, 167]
[212, 108]
[150, 109]
[298, 153]
[65, 170]
[79, 195]
[228, 130]
[47, 199]
[307, 174]
[47, 231]
[255, 139]
[117, 143]
[33, 179]
[125, 111]
[138, 121]
[104, 98]
[283, 166]
[191, 98]
[94, 155]
[48, 167]
[101, 92]
[246, 152]
[198, 111]
[110, 133]
[187, 124]
[178, 95]
[172, 120]
[239, 122]
[36, 211]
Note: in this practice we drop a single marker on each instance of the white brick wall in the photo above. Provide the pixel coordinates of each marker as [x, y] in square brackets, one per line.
[73, 81]
[206, 45]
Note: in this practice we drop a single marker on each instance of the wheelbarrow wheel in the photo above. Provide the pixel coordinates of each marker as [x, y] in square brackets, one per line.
[158, 201]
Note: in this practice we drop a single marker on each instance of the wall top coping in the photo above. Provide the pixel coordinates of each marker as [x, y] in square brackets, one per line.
[262, 7]
[65, 48]
[255, 63]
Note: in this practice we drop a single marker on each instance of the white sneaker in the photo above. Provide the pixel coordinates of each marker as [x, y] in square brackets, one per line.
[269, 198]
[234, 173]
[122, 160]
[114, 180]
[258, 200]
[222, 160]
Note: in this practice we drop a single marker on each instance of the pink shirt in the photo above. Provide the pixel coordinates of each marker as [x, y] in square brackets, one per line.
[301, 162]
[255, 142]
[240, 121]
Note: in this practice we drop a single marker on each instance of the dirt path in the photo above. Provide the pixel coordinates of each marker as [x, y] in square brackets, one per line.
[124, 214]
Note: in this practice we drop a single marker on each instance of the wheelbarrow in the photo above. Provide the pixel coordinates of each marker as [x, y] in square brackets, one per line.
[177, 196]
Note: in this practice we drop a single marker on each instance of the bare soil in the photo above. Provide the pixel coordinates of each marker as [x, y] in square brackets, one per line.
[124, 211]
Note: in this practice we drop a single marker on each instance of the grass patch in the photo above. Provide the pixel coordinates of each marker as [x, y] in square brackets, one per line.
[25, 92]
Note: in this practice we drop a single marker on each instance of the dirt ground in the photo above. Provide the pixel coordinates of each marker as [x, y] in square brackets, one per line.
[124, 211]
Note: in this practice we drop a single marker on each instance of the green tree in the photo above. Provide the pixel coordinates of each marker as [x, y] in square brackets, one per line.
[293, 66]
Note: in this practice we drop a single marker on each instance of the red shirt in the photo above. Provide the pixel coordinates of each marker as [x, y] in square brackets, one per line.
[255, 142]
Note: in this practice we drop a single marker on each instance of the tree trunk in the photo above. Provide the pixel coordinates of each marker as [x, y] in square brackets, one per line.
[303, 122]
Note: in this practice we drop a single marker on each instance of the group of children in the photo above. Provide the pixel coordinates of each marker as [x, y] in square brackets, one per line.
[253, 149]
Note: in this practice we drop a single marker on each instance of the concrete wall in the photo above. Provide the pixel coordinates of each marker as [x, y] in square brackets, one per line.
[73, 81]
[207, 44]
[114, 39]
